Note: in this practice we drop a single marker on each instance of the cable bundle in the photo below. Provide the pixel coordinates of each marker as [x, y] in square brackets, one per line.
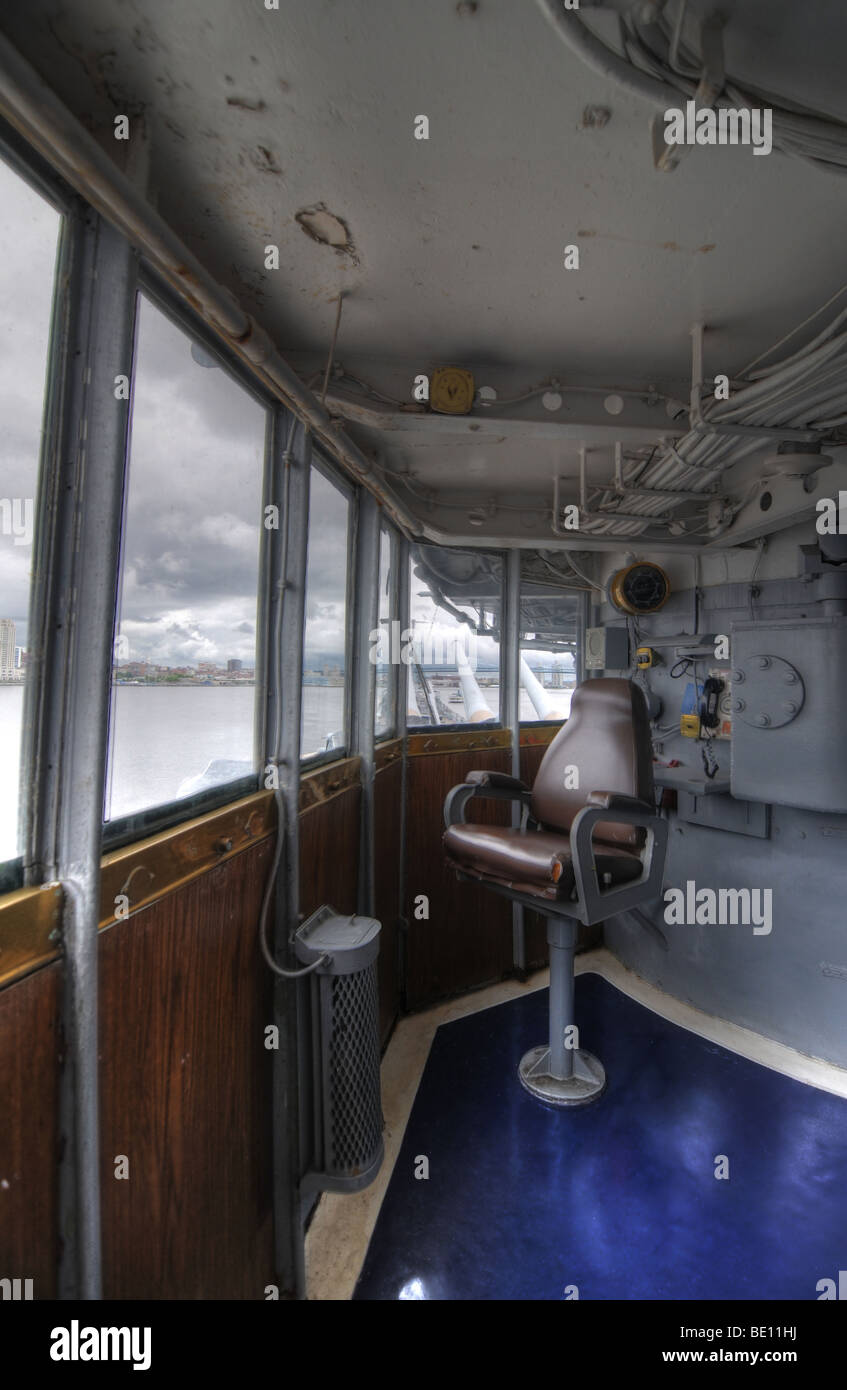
[807, 390]
[656, 64]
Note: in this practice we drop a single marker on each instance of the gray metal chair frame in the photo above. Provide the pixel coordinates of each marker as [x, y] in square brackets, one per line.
[559, 1072]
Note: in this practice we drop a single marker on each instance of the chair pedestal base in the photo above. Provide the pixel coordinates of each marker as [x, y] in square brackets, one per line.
[586, 1082]
[560, 1073]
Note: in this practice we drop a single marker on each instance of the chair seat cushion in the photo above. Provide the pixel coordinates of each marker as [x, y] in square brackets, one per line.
[532, 861]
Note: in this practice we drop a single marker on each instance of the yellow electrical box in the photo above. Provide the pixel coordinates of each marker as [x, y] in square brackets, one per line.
[689, 725]
[451, 390]
[645, 657]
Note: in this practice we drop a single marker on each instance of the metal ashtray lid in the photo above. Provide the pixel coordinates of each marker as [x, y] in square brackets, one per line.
[351, 941]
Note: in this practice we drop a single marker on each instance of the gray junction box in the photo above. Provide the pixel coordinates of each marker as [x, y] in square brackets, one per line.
[789, 684]
[606, 649]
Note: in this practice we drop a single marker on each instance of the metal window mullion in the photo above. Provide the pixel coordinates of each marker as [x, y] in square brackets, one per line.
[41, 720]
[366, 597]
[287, 584]
[75, 632]
[269, 538]
[510, 657]
[402, 599]
[584, 615]
[510, 714]
[396, 729]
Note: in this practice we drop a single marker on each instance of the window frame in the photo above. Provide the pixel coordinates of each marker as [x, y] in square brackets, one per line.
[33, 170]
[498, 722]
[151, 820]
[579, 645]
[385, 528]
[330, 472]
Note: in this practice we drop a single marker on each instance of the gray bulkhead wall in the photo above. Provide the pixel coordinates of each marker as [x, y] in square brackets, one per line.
[790, 984]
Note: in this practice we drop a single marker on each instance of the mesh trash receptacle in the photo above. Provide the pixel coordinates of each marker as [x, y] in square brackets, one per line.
[345, 1034]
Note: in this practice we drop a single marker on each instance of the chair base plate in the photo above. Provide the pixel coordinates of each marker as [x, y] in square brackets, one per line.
[586, 1084]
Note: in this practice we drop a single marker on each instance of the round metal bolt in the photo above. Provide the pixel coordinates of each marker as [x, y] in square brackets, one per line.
[762, 720]
[791, 678]
[739, 705]
[764, 663]
[738, 676]
[223, 846]
[789, 707]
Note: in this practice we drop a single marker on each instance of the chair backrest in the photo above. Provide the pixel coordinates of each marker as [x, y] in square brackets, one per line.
[606, 739]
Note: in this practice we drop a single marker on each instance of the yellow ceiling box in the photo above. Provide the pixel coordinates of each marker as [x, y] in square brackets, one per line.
[689, 725]
[645, 657]
[451, 390]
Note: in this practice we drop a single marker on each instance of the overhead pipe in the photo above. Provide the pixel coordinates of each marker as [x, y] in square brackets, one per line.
[812, 137]
[597, 56]
[585, 511]
[33, 109]
[799, 391]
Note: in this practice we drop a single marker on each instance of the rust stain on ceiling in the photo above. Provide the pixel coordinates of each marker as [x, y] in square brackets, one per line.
[327, 229]
[246, 103]
[587, 232]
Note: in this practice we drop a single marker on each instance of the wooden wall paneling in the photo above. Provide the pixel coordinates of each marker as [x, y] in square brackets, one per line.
[325, 782]
[387, 790]
[30, 930]
[29, 1074]
[467, 940]
[531, 759]
[329, 853]
[186, 1092]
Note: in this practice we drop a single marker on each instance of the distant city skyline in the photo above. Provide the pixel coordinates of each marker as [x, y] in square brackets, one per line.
[326, 663]
[7, 649]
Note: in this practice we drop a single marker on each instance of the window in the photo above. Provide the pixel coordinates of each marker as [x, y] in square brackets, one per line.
[29, 237]
[551, 615]
[385, 708]
[452, 656]
[324, 715]
[183, 676]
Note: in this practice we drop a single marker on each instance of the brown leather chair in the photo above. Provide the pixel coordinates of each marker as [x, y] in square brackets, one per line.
[581, 854]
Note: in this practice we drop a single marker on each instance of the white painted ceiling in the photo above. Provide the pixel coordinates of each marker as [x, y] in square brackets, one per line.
[255, 114]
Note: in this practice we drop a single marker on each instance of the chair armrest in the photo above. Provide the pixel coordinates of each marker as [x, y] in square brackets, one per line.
[595, 903]
[501, 780]
[497, 785]
[616, 801]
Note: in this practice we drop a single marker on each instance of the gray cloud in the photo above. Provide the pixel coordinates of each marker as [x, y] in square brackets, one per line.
[194, 507]
[29, 229]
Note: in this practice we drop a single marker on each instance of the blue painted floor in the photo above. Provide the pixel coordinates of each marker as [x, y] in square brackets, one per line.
[618, 1197]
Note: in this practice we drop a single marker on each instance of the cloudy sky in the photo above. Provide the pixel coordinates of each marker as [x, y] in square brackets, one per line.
[29, 229]
[326, 577]
[194, 506]
[194, 515]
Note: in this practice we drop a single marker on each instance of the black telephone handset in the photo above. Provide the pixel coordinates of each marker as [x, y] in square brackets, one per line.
[709, 716]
